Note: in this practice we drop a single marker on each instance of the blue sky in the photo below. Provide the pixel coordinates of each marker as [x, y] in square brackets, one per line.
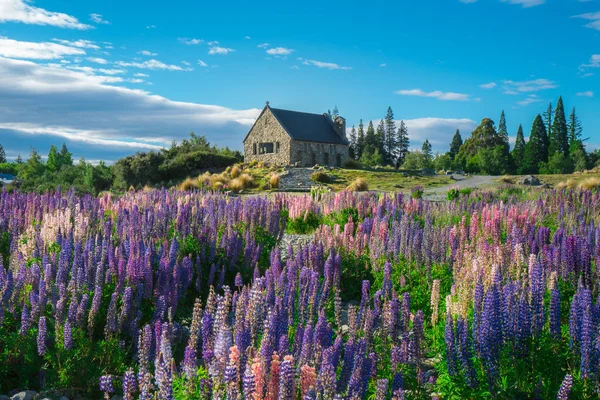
[110, 78]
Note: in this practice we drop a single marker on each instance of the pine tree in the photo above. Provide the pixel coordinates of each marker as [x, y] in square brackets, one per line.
[536, 150]
[559, 139]
[335, 113]
[66, 158]
[353, 142]
[548, 119]
[518, 153]
[19, 160]
[370, 140]
[360, 140]
[390, 138]
[576, 148]
[2, 155]
[427, 152]
[502, 131]
[574, 128]
[403, 144]
[455, 144]
[380, 138]
[54, 161]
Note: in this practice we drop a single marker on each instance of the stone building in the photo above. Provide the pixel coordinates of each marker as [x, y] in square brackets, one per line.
[284, 137]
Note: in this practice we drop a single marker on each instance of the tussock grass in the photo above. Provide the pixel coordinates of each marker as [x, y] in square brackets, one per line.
[358, 185]
[590, 184]
[274, 181]
[320, 177]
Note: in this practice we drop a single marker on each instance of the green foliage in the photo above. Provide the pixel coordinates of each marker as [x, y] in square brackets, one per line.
[453, 194]
[194, 388]
[2, 155]
[371, 158]
[536, 151]
[304, 224]
[415, 160]
[559, 137]
[455, 144]
[494, 161]
[518, 153]
[352, 164]
[53, 163]
[9, 168]
[320, 176]
[557, 164]
[443, 162]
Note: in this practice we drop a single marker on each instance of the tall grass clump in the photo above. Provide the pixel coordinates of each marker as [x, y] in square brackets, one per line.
[358, 185]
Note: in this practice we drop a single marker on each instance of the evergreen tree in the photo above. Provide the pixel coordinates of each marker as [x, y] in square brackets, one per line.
[390, 139]
[33, 168]
[548, 119]
[329, 113]
[455, 144]
[335, 113]
[19, 160]
[353, 143]
[370, 140]
[426, 149]
[518, 153]
[536, 150]
[54, 161]
[379, 138]
[574, 129]
[66, 158]
[360, 140]
[502, 131]
[559, 139]
[403, 144]
[2, 155]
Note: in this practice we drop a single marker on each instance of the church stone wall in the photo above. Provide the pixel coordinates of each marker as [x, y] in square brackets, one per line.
[268, 130]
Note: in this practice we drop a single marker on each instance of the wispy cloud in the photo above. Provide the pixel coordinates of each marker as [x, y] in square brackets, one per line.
[247, 37]
[490, 85]
[220, 50]
[534, 85]
[263, 45]
[111, 71]
[152, 64]
[147, 53]
[97, 18]
[437, 94]
[468, 1]
[587, 93]
[34, 50]
[141, 75]
[594, 62]
[202, 63]
[526, 3]
[190, 41]
[326, 65]
[20, 11]
[84, 44]
[383, 65]
[150, 26]
[97, 60]
[532, 98]
[594, 17]
[280, 51]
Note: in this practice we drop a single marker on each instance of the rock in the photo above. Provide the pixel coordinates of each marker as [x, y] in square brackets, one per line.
[529, 180]
[26, 395]
[3, 397]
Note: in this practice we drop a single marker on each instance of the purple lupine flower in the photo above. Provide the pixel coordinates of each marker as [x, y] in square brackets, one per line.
[450, 345]
[238, 281]
[106, 385]
[555, 313]
[41, 339]
[382, 389]
[286, 379]
[68, 335]
[249, 384]
[129, 385]
[25, 321]
[565, 388]
[464, 351]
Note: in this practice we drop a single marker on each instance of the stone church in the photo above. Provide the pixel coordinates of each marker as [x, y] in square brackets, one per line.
[284, 137]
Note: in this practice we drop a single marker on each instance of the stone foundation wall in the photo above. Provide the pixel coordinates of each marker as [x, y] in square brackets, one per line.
[268, 130]
[307, 154]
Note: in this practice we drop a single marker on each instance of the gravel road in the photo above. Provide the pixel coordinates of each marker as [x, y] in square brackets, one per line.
[460, 181]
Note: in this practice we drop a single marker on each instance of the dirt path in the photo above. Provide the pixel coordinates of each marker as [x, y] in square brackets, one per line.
[460, 181]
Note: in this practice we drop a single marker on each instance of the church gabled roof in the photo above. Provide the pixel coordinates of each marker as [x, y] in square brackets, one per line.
[306, 126]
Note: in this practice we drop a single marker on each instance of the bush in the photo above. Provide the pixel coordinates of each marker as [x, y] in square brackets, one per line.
[274, 181]
[453, 193]
[590, 184]
[235, 171]
[352, 164]
[359, 185]
[320, 176]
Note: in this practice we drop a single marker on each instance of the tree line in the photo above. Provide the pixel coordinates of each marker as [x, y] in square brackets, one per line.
[555, 146]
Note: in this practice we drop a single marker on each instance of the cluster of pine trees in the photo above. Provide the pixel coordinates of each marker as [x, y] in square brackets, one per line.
[388, 145]
[555, 146]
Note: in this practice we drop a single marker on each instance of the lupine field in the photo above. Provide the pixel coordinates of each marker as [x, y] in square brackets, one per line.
[191, 295]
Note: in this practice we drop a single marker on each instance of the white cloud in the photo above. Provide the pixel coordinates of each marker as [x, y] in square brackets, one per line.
[97, 60]
[190, 41]
[490, 85]
[139, 74]
[150, 26]
[186, 63]
[97, 18]
[220, 50]
[147, 53]
[106, 118]
[247, 37]
[152, 64]
[280, 51]
[41, 51]
[112, 71]
[84, 44]
[20, 11]
[136, 80]
[532, 98]
[588, 93]
[383, 65]
[327, 65]
[468, 1]
[533, 85]
[526, 3]
[594, 17]
[202, 63]
[213, 43]
[594, 62]
[263, 45]
[437, 94]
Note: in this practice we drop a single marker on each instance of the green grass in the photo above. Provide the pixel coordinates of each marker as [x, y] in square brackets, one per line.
[388, 180]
